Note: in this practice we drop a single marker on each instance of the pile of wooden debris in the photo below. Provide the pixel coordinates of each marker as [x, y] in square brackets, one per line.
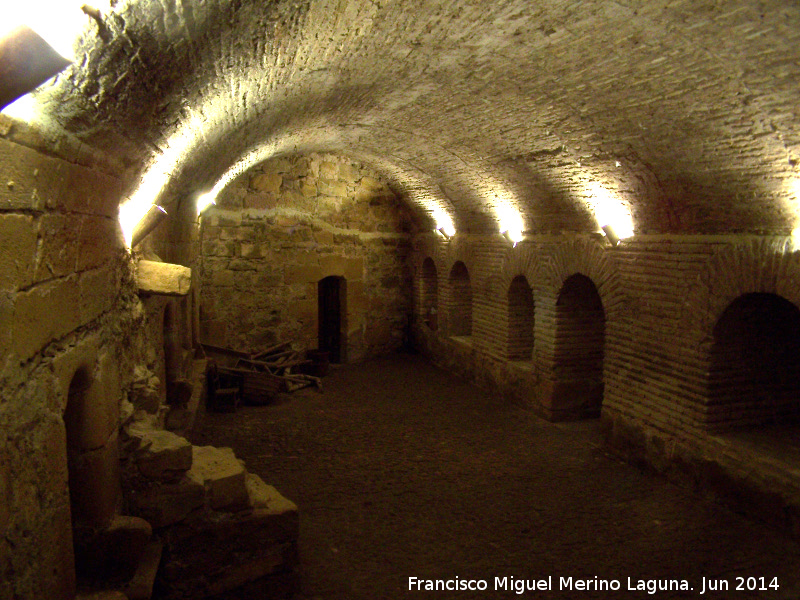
[258, 377]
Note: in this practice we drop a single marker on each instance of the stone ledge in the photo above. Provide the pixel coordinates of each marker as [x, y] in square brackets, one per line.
[163, 279]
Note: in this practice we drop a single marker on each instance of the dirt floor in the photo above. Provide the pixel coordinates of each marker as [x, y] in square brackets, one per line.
[401, 470]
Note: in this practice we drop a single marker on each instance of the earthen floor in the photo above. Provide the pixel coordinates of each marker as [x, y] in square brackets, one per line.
[401, 470]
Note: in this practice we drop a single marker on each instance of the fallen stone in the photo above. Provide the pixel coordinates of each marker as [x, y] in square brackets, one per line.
[163, 456]
[213, 552]
[164, 279]
[222, 475]
[267, 498]
[167, 504]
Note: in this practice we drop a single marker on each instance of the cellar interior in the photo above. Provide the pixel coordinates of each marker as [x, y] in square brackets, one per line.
[588, 211]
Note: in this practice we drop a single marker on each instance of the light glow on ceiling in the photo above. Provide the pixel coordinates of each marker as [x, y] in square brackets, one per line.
[609, 210]
[511, 223]
[443, 221]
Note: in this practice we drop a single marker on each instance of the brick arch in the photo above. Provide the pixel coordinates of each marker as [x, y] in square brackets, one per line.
[590, 258]
[734, 276]
[460, 250]
[762, 265]
[430, 247]
[522, 260]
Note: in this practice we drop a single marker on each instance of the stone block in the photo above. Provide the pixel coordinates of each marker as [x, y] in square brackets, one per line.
[100, 240]
[161, 455]
[94, 484]
[206, 547]
[337, 189]
[370, 184]
[324, 237]
[20, 185]
[222, 475]
[266, 499]
[164, 279]
[222, 278]
[261, 201]
[328, 170]
[349, 172]
[98, 289]
[308, 188]
[45, 313]
[6, 327]
[17, 251]
[114, 552]
[249, 250]
[303, 274]
[266, 182]
[169, 503]
[58, 245]
[104, 595]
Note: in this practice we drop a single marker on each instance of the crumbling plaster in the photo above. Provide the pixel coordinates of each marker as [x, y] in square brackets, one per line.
[683, 111]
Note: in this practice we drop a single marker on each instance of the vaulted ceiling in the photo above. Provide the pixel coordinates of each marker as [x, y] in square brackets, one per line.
[683, 112]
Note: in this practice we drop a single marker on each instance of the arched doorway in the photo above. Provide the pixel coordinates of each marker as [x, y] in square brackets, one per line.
[429, 294]
[579, 347]
[332, 311]
[520, 319]
[754, 372]
[459, 315]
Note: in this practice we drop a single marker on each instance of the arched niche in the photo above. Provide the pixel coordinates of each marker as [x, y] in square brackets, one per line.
[332, 320]
[429, 294]
[520, 319]
[459, 314]
[579, 347]
[754, 370]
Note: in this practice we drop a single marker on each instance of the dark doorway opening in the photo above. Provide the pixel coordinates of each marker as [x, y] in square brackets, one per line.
[520, 319]
[754, 376]
[579, 347]
[332, 302]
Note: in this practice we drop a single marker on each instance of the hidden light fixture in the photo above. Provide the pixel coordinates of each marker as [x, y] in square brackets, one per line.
[512, 235]
[611, 235]
[444, 233]
[151, 219]
[205, 200]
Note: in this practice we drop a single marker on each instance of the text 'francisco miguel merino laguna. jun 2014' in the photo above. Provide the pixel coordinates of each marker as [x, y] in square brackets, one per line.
[649, 586]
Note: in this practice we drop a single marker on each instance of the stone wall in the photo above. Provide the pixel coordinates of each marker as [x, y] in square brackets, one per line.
[285, 225]
[66, 293]
[661, 297]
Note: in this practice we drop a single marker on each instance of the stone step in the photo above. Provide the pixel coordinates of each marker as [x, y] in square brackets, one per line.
[168, 503]
[181, 419]
[223, 476]
[140, 586]
[253, 551]
[160, 455]
[103, 595]
[110, 556]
